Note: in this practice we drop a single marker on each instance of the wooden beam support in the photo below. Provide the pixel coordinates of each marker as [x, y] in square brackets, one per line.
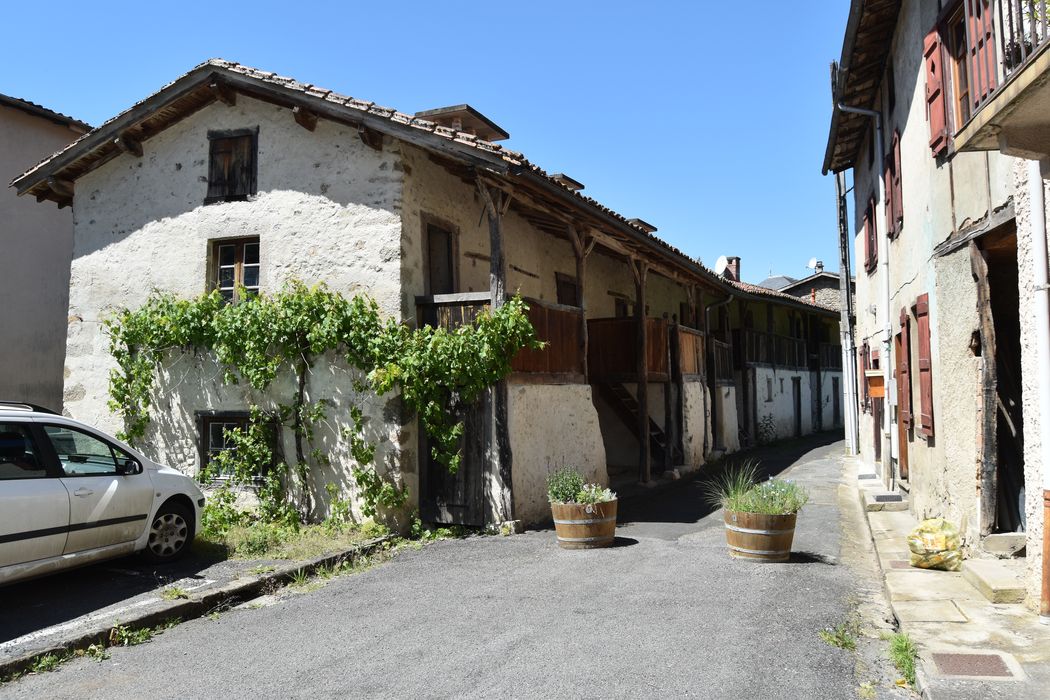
[223, 93]
[640, 268]
[370, 137]
[63, 188]
[988, 405]
[129, 145]
[581, 246]
[305, 118]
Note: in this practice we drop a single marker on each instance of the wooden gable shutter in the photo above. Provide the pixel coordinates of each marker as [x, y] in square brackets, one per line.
[243, 167]
[936, 105]
[219, 168]
[979, 35]
[922, 323]
[904, 372]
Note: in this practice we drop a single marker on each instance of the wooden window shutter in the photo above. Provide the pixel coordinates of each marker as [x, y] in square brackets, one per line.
[231, 166]
[871, 238]
[887, 187]
[936, 105]
[922, 323]
[898, 189]
[983, 66]
[904, 372]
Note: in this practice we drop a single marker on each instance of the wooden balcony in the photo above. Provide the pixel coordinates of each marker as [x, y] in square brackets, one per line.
[561, 361]
[722, 361]
[771, 349]
[831, 356]
[613, 350]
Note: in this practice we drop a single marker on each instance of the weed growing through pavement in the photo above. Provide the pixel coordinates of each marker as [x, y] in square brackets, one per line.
[97, 652]
[174, 593]
[49, 662]
[903, 653]
[843, 636]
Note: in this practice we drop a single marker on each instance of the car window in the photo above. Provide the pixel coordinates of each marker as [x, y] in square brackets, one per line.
[19, 458]
[83, 454]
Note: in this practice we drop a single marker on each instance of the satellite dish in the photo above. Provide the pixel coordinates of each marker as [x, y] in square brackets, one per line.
[721, 264]
[812, 264]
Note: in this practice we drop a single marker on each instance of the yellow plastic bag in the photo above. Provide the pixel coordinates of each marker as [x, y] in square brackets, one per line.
[935, 544]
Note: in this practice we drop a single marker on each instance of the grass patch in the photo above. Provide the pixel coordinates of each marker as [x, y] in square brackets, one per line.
[49, 662]
[276, 541]
[843, 636]
[903, 654]
[174, 593]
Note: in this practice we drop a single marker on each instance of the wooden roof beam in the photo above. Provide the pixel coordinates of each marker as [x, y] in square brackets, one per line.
[128, 144]
[223, 93]
[304, 117]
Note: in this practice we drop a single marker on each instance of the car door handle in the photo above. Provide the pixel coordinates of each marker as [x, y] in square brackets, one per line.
[83, 492]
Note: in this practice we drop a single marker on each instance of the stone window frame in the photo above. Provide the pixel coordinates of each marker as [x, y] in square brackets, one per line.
[426, 220]
[205, 419]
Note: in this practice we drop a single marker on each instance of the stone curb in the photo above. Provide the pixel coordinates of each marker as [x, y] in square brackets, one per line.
[922, 684]
[195, 605]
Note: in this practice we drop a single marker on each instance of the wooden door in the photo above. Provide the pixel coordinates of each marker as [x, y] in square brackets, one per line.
[796, 395]
[458, 499]
[441, 267]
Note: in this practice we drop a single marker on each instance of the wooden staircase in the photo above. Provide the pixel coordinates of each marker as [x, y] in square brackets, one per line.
[626, 408]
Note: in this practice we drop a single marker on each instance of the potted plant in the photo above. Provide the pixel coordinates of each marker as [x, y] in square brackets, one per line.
[584, 514]
[759, 516]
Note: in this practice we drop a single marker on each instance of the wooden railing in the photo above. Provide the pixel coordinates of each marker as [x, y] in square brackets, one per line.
[830, 356]
[613, 349]
[690, 352]
[722, 361]
[772, 349]
[556, 325]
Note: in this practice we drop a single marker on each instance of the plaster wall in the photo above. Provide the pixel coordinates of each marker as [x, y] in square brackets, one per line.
[827, 399]
[696, 422]
[1033, 422]
[776, 408]
[37, 244]
[327, 209]
[726, 431]
[551, 426]
[941, 196]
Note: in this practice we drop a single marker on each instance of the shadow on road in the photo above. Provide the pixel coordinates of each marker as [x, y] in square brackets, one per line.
[685, 501]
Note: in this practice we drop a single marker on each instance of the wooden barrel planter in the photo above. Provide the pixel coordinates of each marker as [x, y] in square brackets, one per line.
[760, 537]
[585, 526]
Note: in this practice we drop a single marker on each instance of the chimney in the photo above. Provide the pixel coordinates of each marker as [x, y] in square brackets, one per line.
[733, 268]
[820, 266]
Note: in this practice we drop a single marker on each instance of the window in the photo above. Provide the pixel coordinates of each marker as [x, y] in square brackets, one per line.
[894, 190]
[936, 109]
[567, 290]
[922, 327]
[215, 429]
[18, 456]
[441, 259]
[871, 240]
[769, 389]
[236, 265]
[621, 307]
[956, 33]
[864, 364]
[83, 454]
[231, 165]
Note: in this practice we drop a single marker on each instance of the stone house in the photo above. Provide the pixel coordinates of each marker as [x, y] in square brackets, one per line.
[937, 107]
[821, 287]
[34, 269]
[436, 220]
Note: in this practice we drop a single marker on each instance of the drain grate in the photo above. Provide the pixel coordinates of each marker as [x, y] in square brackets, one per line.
[889, 498]
[950, 664]
[867, 476]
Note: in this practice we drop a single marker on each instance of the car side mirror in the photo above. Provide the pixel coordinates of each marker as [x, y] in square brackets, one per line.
[129, 467]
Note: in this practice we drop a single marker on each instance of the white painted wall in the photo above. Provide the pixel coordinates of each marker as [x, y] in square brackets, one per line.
[36, 241]
[774, 398]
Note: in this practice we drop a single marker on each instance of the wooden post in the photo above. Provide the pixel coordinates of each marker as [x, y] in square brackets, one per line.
[987, 407]
[640, 268]
[500, 456]
[581, 248]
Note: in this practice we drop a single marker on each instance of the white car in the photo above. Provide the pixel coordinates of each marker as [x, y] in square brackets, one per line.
[71, 495]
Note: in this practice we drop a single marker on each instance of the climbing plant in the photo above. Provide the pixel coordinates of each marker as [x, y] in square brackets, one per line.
[262, 338]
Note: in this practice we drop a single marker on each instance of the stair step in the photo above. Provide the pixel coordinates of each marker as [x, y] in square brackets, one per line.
[998, 581]
[1004, 544]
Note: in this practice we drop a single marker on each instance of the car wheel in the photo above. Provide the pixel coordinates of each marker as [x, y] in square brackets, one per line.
[170, 534]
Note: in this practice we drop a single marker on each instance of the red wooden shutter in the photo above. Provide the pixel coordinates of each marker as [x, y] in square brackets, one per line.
[979, 36]
[922, 322]
[887, 187]
[936, 106]
[898, 189]
[904, 372]
[871, 238]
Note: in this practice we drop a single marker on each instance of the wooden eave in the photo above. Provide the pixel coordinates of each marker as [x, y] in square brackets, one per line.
[869, 35]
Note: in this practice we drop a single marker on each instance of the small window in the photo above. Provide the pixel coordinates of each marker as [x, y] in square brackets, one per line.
[957, 48]
[622, 307]
[215, 432]
[769, 389]
[567, 289]
[231, 165]
[83, 454]
[18, 456]
[441, 259]
[236, 265]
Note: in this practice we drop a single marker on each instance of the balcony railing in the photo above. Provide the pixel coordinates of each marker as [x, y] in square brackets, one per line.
[612, 349]
[690, 352]
[1020, 28]
[722, 361]
[830, 356]
[771, 349]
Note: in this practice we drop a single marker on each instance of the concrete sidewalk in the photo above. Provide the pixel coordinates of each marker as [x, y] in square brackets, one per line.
[969, 646]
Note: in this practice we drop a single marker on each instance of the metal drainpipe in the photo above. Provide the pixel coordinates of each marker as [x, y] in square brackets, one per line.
[884, 265]
[1037, 207]
[849, 353]
[711, 379]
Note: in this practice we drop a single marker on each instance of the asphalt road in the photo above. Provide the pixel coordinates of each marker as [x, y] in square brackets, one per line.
[665, 614]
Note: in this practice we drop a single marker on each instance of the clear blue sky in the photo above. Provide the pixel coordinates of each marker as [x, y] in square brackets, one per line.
[707, 119]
